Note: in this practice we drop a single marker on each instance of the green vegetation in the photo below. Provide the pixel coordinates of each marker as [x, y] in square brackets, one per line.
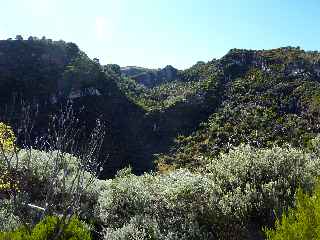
[235, 142]
[235, 191]
[241, 190]
[301, 222]
[260, 108]
[7, 138]
[46, 230]
[159, 97]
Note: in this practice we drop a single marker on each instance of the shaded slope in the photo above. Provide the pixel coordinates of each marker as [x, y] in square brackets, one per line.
[49, 74]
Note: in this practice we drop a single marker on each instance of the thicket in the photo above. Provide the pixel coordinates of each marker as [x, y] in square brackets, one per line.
[242, 190]
[237, 171]
[301, 222]
[48, 180]
[47, 229]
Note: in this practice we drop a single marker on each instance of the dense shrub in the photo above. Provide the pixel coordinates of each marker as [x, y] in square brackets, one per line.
[8, 219]
[237, 191]
[8, 183]
[163, 96]
[36, 168]
[51, 182]
[178, 205]
[270, 176]
[47, 229]
[7, 137]
[301, 222]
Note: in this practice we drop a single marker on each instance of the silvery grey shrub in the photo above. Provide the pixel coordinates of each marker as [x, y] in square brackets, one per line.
[222, 201]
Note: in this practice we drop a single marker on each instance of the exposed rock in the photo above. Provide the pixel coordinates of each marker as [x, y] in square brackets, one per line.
[84, 93]
[133, 70]
[150, 77]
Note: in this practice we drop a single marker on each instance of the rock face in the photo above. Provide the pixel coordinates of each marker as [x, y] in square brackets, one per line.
[287, 61]
[150, 77]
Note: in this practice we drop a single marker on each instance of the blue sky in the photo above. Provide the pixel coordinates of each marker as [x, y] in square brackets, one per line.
[154, 33]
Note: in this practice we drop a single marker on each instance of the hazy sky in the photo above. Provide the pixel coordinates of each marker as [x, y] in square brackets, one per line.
[154, 33]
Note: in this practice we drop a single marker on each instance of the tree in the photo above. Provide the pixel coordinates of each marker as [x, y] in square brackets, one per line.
[96, 60]
[113, 68]
[19, 38]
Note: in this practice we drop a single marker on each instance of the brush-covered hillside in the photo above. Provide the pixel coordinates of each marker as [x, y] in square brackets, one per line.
[262, 98]
[215, 151]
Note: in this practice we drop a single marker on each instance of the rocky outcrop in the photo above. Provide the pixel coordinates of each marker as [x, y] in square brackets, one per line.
[150, 77]
[84, 93]
[287, 61]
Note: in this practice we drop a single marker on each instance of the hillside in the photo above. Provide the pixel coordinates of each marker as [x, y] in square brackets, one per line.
[258, 97]
[266, 98]
[47, 74]
[187, 154]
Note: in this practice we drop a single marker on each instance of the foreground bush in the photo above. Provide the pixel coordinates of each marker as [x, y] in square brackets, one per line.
[269, 176]
[233, 191]
[48, 229]
[8, 219]
[301, 222]
[180, 205]
[39, 176]
[237, 191]
[7, 138]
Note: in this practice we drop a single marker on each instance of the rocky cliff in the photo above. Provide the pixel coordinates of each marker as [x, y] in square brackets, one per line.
[150, 77]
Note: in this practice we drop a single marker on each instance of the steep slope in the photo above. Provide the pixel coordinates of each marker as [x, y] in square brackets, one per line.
[48, 74]
[270, 97]
[186, 118]
[141, 121]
